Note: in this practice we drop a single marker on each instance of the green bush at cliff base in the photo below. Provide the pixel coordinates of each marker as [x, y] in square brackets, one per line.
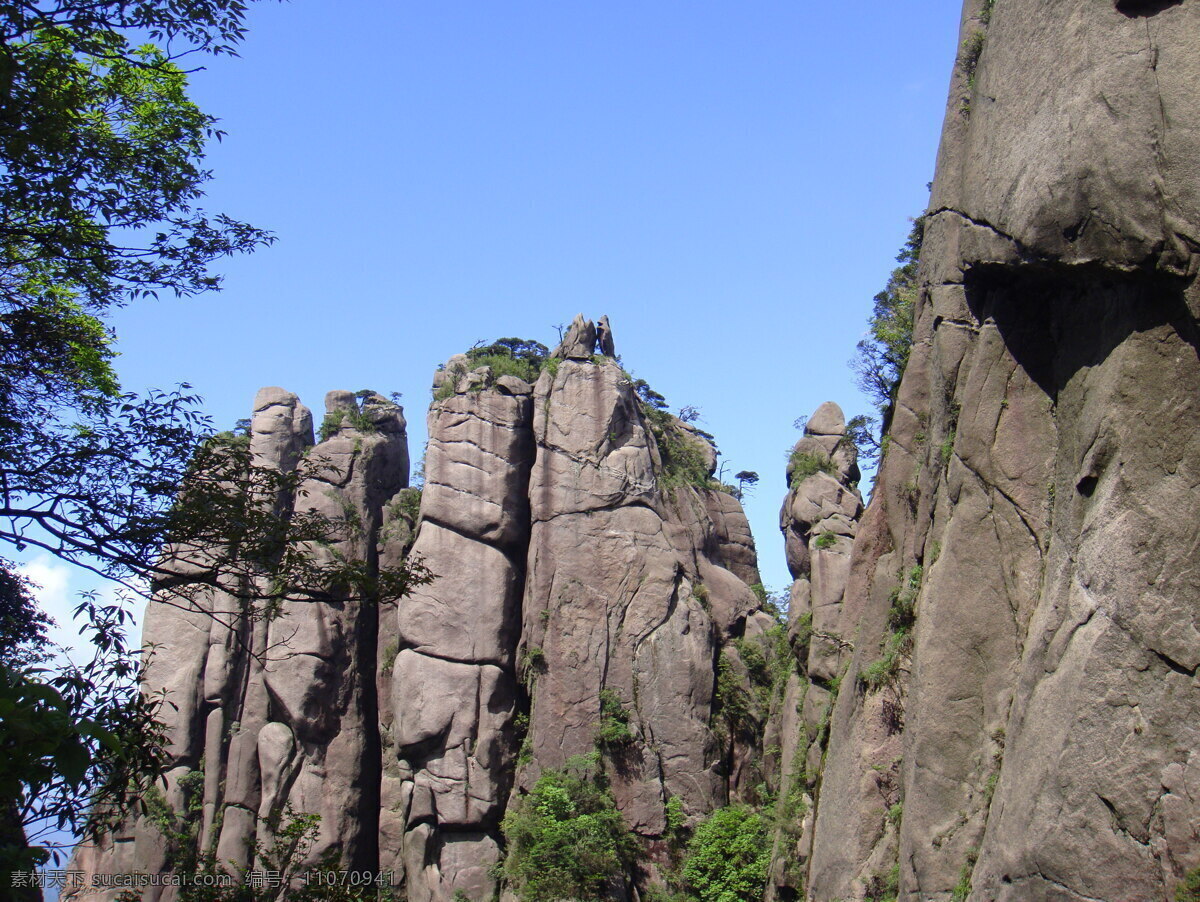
[728, 858]
[1189, 890]
[566, 839]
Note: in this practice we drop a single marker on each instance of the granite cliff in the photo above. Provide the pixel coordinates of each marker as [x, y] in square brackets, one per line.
[1017, 651]
[587, 570]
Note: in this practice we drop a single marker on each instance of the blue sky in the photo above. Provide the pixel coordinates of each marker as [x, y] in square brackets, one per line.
[729, 182]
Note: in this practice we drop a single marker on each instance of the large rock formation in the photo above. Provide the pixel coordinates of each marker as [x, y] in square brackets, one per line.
[270, 715]
[450, 758]
[819, 520]
[631, 590]
[586, 566]
[1034, 513]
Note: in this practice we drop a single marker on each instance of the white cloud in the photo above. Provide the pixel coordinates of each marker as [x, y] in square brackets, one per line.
[57, 589]
[52, 589]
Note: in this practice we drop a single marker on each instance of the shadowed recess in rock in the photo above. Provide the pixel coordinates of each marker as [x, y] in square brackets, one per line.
[1056, 320]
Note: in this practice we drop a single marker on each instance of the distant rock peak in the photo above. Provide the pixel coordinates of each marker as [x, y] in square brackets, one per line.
[584, 339]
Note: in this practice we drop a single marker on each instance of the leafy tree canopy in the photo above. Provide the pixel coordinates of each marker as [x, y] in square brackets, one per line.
[566, 839]
[101, 183]
[883, 354]
[728, 857]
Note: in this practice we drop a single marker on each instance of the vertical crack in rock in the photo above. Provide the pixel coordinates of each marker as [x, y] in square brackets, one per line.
[454, 691]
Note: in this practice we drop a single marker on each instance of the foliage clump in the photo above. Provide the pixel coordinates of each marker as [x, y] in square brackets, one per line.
[336, 418]
[962, 889]
[613, 731]
[1189, 890]
[520, 357]
[292, 837]
[733, 706]
[901, 618]
[728, 857]
[884, 887]
[566, 839]
[803, 464]
[883, 354]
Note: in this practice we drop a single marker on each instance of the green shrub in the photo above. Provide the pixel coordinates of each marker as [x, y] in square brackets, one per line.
[728, 858]
[406, 504]
[883, 354]
[518, 357]
[802, 465]
[613, 731]
[683, 460]
[566, 839]
[884, 887]
[525, 753]
[331, 424]
[751, 653]
[972, 49]
[1189, 890]
[446, 389]
[948, 448]
[826, 540]
[884, 670]
[902, 615]
[962, 889]
[387, 660]
[675, 817]
[731, 702]
[683, 463]
[335, 418]
[533, 661]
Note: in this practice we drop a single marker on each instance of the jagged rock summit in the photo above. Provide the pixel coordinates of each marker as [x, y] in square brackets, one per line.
[587, 570]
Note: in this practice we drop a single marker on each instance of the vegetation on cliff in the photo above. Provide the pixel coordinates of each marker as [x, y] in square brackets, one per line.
[566, 838]
[883, 354]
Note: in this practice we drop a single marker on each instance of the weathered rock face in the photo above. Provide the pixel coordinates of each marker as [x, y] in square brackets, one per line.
[584, 558]
[1035, 508]
[819, 520]
[267, 715]
[450, 759]
[629, 591]
[575, 564]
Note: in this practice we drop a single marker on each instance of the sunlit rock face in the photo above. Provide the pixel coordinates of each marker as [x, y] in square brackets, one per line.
[571, 563]
[1038, 497]
[572, 556]
[271, 715]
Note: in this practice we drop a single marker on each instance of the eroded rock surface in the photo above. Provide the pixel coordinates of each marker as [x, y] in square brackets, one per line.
[450, 759]
[1035, 508]
[819, 520]
[267, 715]
[581, 551]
